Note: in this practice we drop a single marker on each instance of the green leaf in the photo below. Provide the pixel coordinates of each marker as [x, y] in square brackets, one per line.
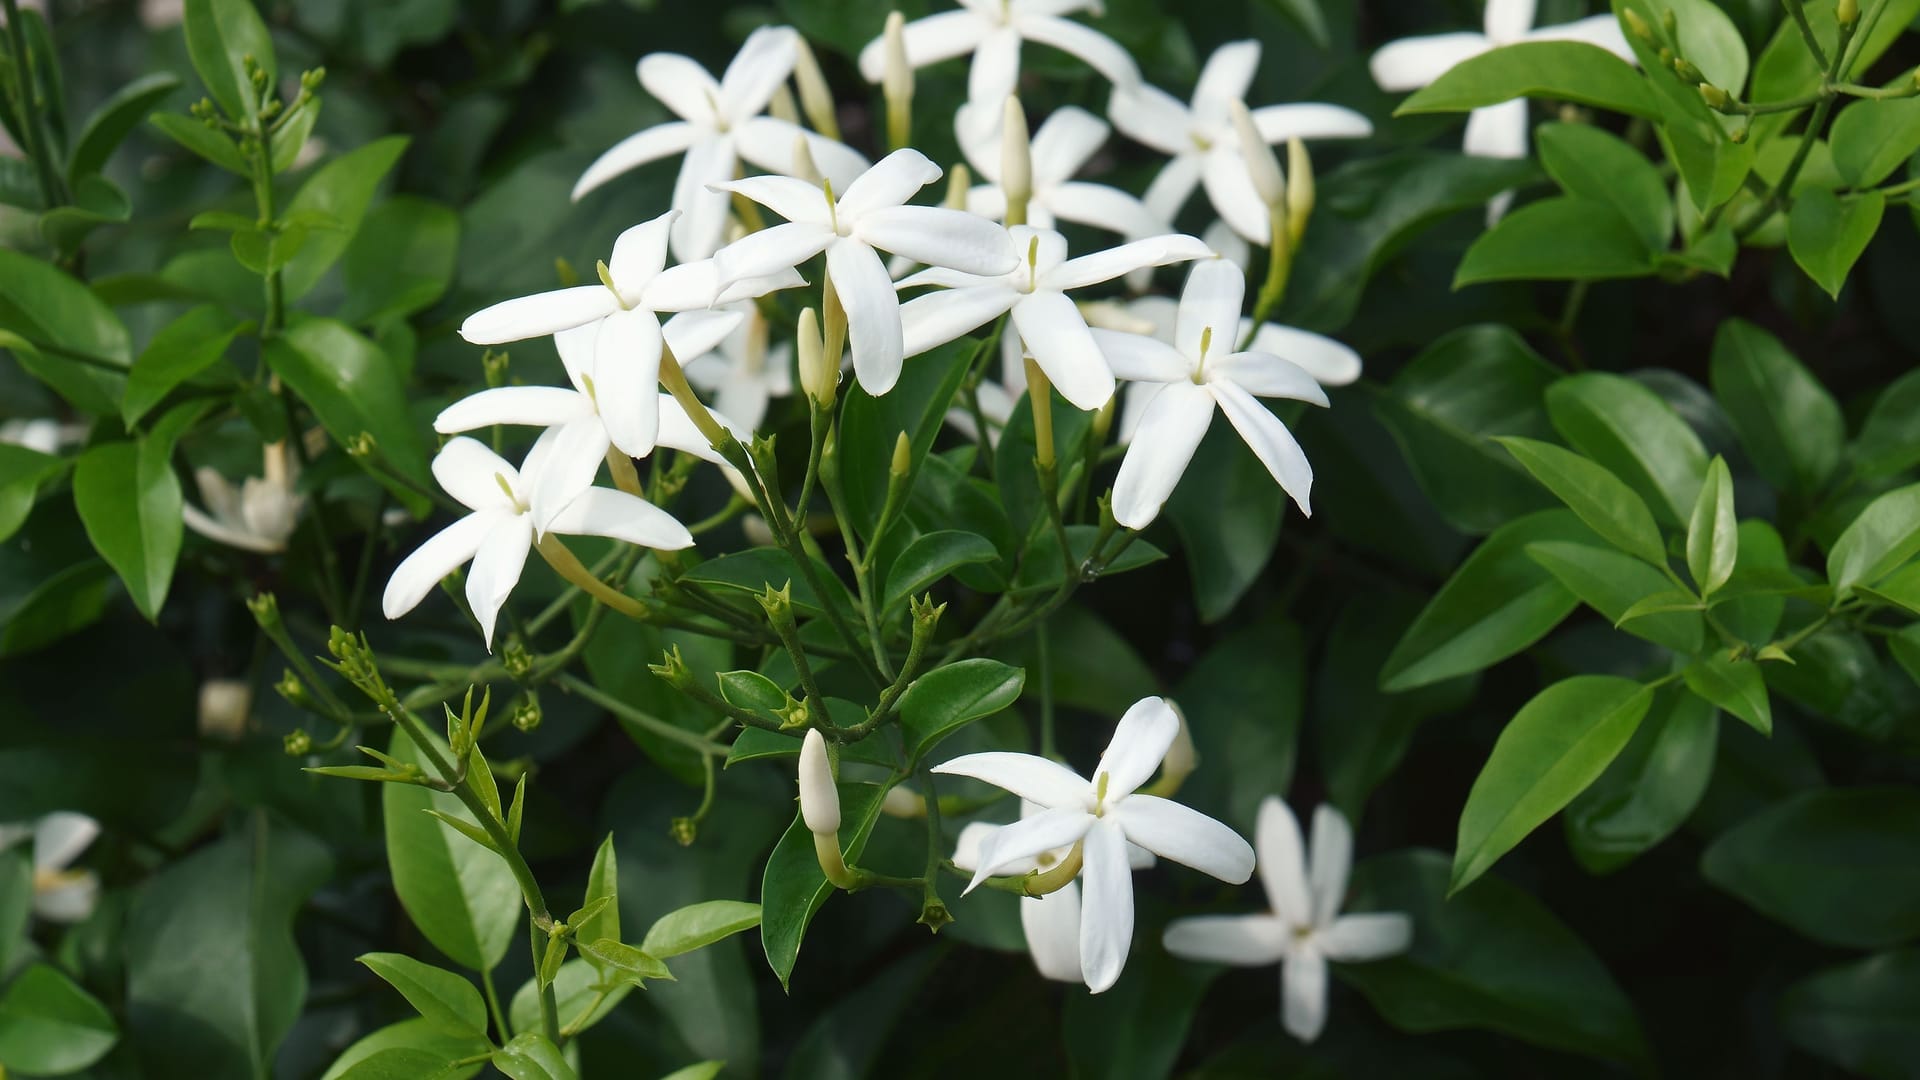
[705, 1070]
[931, 557]
[114, 119]
[1889, 440]
[758, 744]
[1828, 234]
[1243, 703]
[1633, 433]
[212, 145]
[753, 691]
[1445, 407]
[221, 35]
[340, 190]
[1733, 685]
[1136, 1030]
[1307, 16]
[1612, 583]
[1871, 139]
[1493, 957]
[753, 570]
[1650, 789]
[1591, 163]
[1879, 541]
[353, 386]
[1563, 238]
[1555, 746]
[407, 1050]
[948, 698]
[869, 426]
[1043, 570]
[1497, 603]
[49, 1025]
[16, 902]
[1228, 526]
[442, 998]
[400, 260]
[62, 334]
[1563, 70]
[129, 500]
[1608, 506]
[698, 925]
[290, 137]
[1840, 866]
[603, 883]
[529, 1056]
[461, 896]
[179, 350]
[1902, 588]
[575, 988]
[214, 977]
[1713, 533]
[97, 201]
[22, 471]
[623, 962]
[398, 1063]
[793, 888]
[1857, 1015]
[1754, 616]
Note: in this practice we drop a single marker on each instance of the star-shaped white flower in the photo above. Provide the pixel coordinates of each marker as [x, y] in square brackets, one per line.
[744, 371]
[992, 30]
[1066, 141]
[1051, 923]
[1102, 817]
[259, 515]
[1495, 131]
[497, 536]
[720, 123]
[1305, 928]
[1049, 325]
[1202, 368]
[1201, 140]
[60, 894]
[870, 214]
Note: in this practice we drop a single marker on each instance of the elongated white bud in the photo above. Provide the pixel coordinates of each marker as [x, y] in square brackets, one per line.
[1016, 161]
[818, 377]
[815, 99]
[819, 799]
[803, 166]
[1262, 165]
[1299, 189]
[896, 82]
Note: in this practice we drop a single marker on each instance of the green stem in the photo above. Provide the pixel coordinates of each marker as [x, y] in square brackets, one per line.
[493, 1005]
[1799, 15]
[574, 685]
[32, 110]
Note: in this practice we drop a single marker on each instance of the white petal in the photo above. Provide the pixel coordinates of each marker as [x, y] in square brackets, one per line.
[442, 554]
[702, 225]
[1052, 927]
[1229, 245]
[1106, 908]
[994, 73]
[626, 379]
[1230, 189]
[496, 570]
[1101, 207]
[1100, 52]
[1170, 430]
[677, 431]
[1141, 358]
[764, 61]
[1210, 302]
[1151, 116]
[1066, 141]
[938, 236]
[1506, 21]
[873, 313]
[947, 279]
[1186, 836]
[892, 181]
[1225, 79]
[1601, 30]
[600, 511]
[966, 847]
[467, 470]
[1173, 185]
[1498, 131]
[1327, 865]
[681, 84]
[1266, 375]
[1372, 936]
[929, 41]
[1411, 63]
[71, 900]
[1330, 362]
[696, 333]
[539, 315]
[1283, 862]
[539, 406]
[1029, 837]
[744, 397]
[795, 200]
[939, 317]
[1140, 740]
[656, 142]
[232, 534]
[1239, 940]
[60, 837]
[1135, 400]
[639, 253]
[1048, 783]
[1269, 440]
[768, 143]
[1278, 123]
[575, 347]
[771, 251]
[569, 458]
[1118, 261]
[1303, 993]
[1059, 341]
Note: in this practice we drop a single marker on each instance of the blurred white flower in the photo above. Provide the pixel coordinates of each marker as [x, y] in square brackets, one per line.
[870, 214]
[1102, 818]
[60, 894]
[1066, 141]
[44, 434]
[1201, 140]
[1202, 368]
[258, 516]
[720, 123]
[744, 371]
[1305, 928]
[225, 705]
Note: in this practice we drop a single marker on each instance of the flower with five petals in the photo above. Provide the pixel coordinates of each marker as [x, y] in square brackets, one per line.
[1066, 141]
[60, 894]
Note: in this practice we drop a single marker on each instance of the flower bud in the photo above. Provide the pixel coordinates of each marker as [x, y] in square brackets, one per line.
[959, 182]
[1685, 69]
[803, 165]
[293, 690]
[903, 802]
[1300, 190]
[902, 457]
[815, 99]
[783, 107]
[527, 715]
[1636, 25]
[819, 799]
[672, 669]
[297, 743]
[1846, 12]
[1262, 165]
[1716, 98]
[266, 610]
[818, 377]
[1016, 161]
[897, 82]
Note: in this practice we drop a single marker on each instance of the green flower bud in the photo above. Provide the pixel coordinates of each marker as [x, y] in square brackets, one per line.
[297, 743]
[527, 715]
[1846, 12]
[266, 611]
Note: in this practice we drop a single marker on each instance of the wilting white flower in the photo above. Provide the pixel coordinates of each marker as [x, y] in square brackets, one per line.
[60, 894]
[1201, 140]
[1051, 923]
[1034, 293]
[743, 372]
[992, 30]
[1305, 928]
[1495, 131]
[500, 532]
[819, 799]
[1102, 817]
[258, 516]
[870, 214]
[720, 123]
[1061, 148]
[1202, 368]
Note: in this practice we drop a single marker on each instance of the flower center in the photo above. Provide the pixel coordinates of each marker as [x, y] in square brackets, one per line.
[501, 479]
[606, 278]
[833, 208]
[1033, 263]
[1200, 362]
[1100, 795]
[592, 395]
[719, 114]
[1301, 933]
[1200, 141]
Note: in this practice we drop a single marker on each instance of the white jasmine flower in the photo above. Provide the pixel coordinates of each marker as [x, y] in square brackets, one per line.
[60, 894]
[1305, 928]
[992, 30]
[225, 706]
[1101, 818]
[1495, 131]
[1199, 370]
[819, 799]
[258, 516]
[1051, 923]
[720, 123]
[744, 371]
[43, 434]
[497, 536]
[1061, 148]
[871, 214]
[1203, 144]
[1052, 328]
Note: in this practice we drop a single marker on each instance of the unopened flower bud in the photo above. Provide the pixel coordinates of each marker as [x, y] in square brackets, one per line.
[1670, 22]
[684, 831]
[959, 182]
[297, 743]
[1685, 69]
[903, 802]
[803, 165]
[783, 107]
[819, 799]
[815, 99]
[1262, 166]
[1300, 190]
[1846, 12]
[819, 377]
[897, 82]
[672, 669]
[902, 457]
[1636, 25]
[527, 715]
[1016, 161]
[1716, 98]
[516, 659]
[362, 446]
[292, 690]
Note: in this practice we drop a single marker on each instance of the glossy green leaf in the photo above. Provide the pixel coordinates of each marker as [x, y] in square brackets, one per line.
[407, 1050]
[575, 989]
[1556, 745]
[197, 137]
[1754, 616]
[1612, 583]
[353, 386]
[340, 190]
[1734, 685]
[1840, 866]
[1607, 505]
[1901, 588]
[50, 1026]
[461, 896]
[1828, 234]
[1634, 434]
[1889, 440]
[698, 925]
[1563, 70]
[1713, 533]
[793, 888]
[1564, 238]
[1855, 1015]
[1650, 789]
[114, 119]
[870, 425]
[622, 962]
[529, 1056]
[22, 472]
[759, 744]
[129, 499]
[62, 334]
[929, 558]
[1880, 540]
[16, 902]
[755, 569]
[400, 260]
[603, 883]
[222, 35]
[441, 997]
[1871, 139]
[1591, 163]
[948, 698]
[178, 351]
[1228, 526]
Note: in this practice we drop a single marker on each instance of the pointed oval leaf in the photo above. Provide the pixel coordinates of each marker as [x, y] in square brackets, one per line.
[1633, 433]
[1607, 505]
[442, 998]
[1713, 534]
